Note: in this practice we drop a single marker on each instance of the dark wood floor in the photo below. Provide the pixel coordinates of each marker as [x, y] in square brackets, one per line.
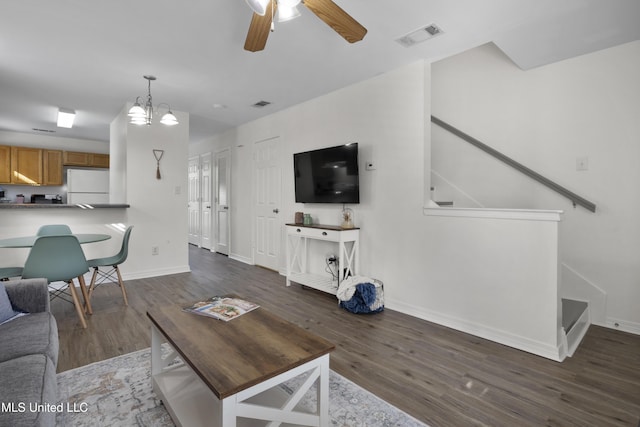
[438, 375]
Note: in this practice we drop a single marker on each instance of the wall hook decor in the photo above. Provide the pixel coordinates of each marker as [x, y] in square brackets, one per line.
[158, 155]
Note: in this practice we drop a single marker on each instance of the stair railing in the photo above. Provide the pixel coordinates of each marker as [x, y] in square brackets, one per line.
[575, 199]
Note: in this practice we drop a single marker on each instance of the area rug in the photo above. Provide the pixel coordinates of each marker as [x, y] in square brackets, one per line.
[118, 392]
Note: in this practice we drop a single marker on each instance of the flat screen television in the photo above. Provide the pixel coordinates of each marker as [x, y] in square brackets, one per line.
[328, 175]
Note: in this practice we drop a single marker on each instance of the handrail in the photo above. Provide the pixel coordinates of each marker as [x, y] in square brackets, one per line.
[577, 200]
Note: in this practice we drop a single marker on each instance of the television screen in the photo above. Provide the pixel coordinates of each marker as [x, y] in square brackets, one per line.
[328, 175]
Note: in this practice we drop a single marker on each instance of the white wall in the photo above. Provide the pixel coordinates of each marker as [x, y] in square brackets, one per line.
[385, 116]
[546, 118]
[158, 209]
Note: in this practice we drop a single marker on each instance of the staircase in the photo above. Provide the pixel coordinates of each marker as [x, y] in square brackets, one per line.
[574, 311]
[575, 323]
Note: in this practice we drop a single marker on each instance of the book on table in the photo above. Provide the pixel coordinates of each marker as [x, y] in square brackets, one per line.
[220, 307]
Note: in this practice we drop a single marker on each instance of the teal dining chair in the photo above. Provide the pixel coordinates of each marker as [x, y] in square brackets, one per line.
[8, 272]
[60, 259]
[112, 274]
[53, 230]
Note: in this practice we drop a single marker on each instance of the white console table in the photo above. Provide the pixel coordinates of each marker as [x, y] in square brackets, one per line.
[298, 237]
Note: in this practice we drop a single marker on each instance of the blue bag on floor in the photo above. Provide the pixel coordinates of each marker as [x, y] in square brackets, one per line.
[367, 298]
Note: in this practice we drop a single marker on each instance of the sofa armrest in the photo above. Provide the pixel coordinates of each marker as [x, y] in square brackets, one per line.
[30, 295]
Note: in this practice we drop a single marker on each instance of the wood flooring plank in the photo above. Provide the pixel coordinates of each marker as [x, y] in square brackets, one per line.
[440, 376]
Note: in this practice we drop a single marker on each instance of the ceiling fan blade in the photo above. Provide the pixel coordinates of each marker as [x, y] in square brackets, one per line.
[259, 29]
[338, 19]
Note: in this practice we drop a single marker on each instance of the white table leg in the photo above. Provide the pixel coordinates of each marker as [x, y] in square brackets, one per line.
[323, 391]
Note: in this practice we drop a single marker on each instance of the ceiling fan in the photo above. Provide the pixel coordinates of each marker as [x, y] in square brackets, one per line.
[327, 10]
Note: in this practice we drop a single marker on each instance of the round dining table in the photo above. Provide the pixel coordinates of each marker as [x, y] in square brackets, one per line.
[28, 241]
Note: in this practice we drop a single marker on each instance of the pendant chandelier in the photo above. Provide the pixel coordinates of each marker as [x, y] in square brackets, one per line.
[143, 114]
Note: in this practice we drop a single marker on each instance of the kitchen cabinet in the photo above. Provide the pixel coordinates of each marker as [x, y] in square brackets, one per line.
[52, 167]
[26, 165]
[5, 164]
[98, 160]
[92, 160]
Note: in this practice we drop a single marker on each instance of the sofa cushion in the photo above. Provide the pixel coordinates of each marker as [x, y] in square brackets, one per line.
[28, 295]
[28, 383]
[6, 310]
[32, 334]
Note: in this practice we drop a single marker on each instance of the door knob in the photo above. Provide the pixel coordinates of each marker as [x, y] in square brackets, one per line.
[276, 210]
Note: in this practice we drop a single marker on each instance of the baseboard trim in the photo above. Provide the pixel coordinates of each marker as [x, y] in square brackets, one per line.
[489, 333]
[241, 259]
[156, 272]
[622, 325]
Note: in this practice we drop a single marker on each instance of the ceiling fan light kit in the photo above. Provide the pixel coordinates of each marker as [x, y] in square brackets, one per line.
[140, 115]
[258, 6]
[329, 12]
[287, 13]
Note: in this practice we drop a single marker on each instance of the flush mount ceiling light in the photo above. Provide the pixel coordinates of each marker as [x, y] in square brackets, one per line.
[65, 118]
[143, 115]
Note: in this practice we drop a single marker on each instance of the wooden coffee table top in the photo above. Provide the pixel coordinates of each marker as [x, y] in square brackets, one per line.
[235, 355]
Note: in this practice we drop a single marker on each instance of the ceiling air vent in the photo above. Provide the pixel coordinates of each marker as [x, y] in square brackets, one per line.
[261, 104]
[420, 35]
[44, 130]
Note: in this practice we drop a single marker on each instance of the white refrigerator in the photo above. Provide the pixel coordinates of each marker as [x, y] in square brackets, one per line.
[87, 186]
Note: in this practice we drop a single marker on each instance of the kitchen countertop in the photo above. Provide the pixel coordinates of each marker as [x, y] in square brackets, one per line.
[61, 206]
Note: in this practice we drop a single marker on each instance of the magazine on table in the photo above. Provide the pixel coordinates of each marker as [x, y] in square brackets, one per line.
[223, 308]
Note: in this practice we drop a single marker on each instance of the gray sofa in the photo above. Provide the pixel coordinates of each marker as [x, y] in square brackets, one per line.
[28, 357]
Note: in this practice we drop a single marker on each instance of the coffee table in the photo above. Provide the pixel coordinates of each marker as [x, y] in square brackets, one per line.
[226, 374]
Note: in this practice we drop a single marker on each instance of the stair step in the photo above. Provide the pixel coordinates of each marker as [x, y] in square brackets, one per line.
[571, 312]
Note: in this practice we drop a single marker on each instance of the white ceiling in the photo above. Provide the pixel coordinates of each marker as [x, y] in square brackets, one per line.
[90, 55]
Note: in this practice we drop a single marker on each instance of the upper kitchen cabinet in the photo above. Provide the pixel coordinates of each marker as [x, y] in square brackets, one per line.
[26, 165]
[52, 167]
[92, 160]
[5, 164]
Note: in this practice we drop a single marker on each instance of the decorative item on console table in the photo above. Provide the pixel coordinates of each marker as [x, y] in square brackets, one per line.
[299, 218]
[347, 218]
[307, 219]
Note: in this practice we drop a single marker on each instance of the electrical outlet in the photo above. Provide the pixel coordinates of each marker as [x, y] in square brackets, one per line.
[155, 250]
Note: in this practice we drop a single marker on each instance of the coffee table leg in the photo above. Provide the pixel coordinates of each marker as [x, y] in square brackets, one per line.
[323, 392]
[156, 351]
[227, 414]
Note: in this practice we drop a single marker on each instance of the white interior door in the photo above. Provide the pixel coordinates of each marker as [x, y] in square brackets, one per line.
[267, 203]
[194, 201]
[223, 178]
[206, 204]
